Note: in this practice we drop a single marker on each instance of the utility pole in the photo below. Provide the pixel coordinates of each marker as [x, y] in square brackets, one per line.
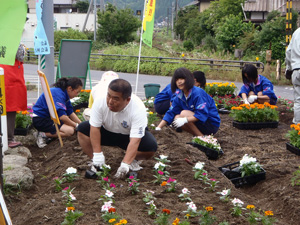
[95, 20]
[168, 21]
[48, 23]
[172, 20]
[288, 27]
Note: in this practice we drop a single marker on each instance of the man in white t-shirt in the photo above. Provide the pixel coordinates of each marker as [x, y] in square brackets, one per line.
[118, 120]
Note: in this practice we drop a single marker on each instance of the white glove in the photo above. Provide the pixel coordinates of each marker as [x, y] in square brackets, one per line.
[157, 128]
[246, 102]
[123, 170]
[98, 159]
[252, 98]
[135, 165]
[179, 122]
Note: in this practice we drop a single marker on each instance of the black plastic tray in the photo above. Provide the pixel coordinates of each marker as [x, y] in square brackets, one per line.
[210, 153]
[231, 172]
[22, 131]
[80, 105]
[254, 126]
[292, 148]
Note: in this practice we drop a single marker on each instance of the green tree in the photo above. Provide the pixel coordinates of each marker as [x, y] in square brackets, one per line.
[83, 6]
[117, 26]
[229, 32]
[183, 19]
[69, 34]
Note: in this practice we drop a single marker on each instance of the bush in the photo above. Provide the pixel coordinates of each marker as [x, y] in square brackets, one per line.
[69, 34]
[188, 45]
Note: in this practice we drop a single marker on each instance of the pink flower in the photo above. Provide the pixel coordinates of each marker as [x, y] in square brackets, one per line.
[171, 180]
[289, 102]
[131, 184]
[112, 185]
[204, 174]
[55, 178]
[131, 177]
[160, 172]
[105, 179]
[66, 188]
[279, 96]
[213, 179]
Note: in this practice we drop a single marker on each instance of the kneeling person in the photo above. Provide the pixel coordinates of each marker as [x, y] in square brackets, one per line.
[118, 120]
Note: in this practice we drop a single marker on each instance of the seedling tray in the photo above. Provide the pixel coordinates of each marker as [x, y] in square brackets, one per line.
[231, 171]
[210, 153]
[22, 131]
[292, 148]
[255, 126]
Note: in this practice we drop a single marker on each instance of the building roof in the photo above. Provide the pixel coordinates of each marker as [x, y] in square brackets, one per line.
[269, 5]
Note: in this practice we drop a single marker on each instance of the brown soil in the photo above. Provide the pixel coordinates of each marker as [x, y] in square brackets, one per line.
[43, 205]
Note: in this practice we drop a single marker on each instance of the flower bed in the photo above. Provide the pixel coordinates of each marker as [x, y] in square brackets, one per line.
[220, 88]
[227, 101]
[262, 114]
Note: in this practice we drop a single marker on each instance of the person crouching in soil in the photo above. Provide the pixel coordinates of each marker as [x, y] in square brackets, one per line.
[192, 108]
[117, 119]
[64, 90]
[256, 88]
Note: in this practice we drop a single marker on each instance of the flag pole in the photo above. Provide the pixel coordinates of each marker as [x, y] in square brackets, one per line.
[139, 59]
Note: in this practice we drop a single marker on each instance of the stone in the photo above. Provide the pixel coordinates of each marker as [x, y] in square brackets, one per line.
[19, 176]
[21, 151]
[14, 161]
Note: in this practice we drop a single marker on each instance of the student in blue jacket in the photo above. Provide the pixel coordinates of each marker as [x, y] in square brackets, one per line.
[256, 88]
[192, 108]
[64, 90]
[164, 99]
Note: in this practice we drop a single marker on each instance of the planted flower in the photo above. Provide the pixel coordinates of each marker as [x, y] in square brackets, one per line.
[200, 173]
[82, 99]
[249, 166]
[294, 139]
[163, 217]
[227, 101]
[225, 195]
[71, 174]
[220, 88]
[152, 118]
[133, 185]
[209, 145]
[149, 103]
[255, 116]
[237, 207]
[185, 195]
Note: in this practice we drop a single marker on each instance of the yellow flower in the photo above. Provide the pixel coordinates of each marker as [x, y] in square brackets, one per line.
[257, 58]
[250, 207]
[269, 213]
[209, 208]
[150, 113]
[112, 220]
[233, 46]
[123, 221]
[176, 221]
[187, 215]
[182, 55]
[70, 208]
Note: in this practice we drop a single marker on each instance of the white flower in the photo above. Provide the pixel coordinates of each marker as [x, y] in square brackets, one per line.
[159, 164]
[108, 193]
[192, 206]
[150, 203]
[225, 192]
[71, 170]
[106, 206]
[237, 202]
[149, 191]
[72, 196]
[152, 125]
[106, 166]
[163, 156]
[247, 159]
[150, 101]
[185, 191]
[199, 165]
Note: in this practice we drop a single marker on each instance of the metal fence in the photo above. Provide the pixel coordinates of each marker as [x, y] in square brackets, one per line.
[214, 64]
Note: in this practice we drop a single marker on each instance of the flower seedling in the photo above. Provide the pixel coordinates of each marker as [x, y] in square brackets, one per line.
[160, 176]
[268, 218]
[152, 208]
[294, 135]
[206, 218]
[149, 103]
[162, 159]
[200, 173]
[71, 174]
[104, 172]
[109, 213]
[225, 195]
[23, 119]
[212, 183]
[253, 215]
[67, 192]
[220, 88]
[249, 166]
[152, 118]
[171, 183]
[237, 207]
[133, 185]
[58, 183]
[107, 197]
[71, 215]
[185, 195]
[191, 210]
[163, 217]
[148, 196]
[208, 141]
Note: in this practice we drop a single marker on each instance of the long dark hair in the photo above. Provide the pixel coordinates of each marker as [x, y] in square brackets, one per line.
[182, 73]
[63, 83]
[251, 72]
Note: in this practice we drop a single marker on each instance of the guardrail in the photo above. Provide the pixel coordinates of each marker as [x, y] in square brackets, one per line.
[212, 63]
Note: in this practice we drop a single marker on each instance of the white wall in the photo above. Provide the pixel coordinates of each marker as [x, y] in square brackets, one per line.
[256, 15]
[64, 20]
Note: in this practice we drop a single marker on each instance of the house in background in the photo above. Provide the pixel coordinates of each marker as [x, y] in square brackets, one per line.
[202, 4]
[258, 10]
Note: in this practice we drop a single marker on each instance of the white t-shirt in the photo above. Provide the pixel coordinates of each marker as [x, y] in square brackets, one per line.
[132, 120]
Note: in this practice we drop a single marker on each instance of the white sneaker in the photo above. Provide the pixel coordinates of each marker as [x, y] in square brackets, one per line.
[135, 165]
[41, 139]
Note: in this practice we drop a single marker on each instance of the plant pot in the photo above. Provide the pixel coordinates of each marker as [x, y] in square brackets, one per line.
[210, 153]
[292, 148]
[22, 131]
[231, 171]
[80, 105]
[223, 111]
[254, 126]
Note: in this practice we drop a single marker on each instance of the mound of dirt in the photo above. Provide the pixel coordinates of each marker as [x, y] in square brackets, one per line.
[43, 205]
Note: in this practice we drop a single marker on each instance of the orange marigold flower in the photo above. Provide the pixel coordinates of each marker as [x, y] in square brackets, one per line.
[292, 126]
[77, 110]
[187, 215]
[164, 183]
[70, 208]
[252, 106]
[112, 220]
[111, 210]
[88, 91]
[299, 133]
[123, 221]
[18, 111]
[166, 211]
[269, 213]
[250, 207]
[209, 208]
[24, 112]
[82, 90]
[176, 221]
